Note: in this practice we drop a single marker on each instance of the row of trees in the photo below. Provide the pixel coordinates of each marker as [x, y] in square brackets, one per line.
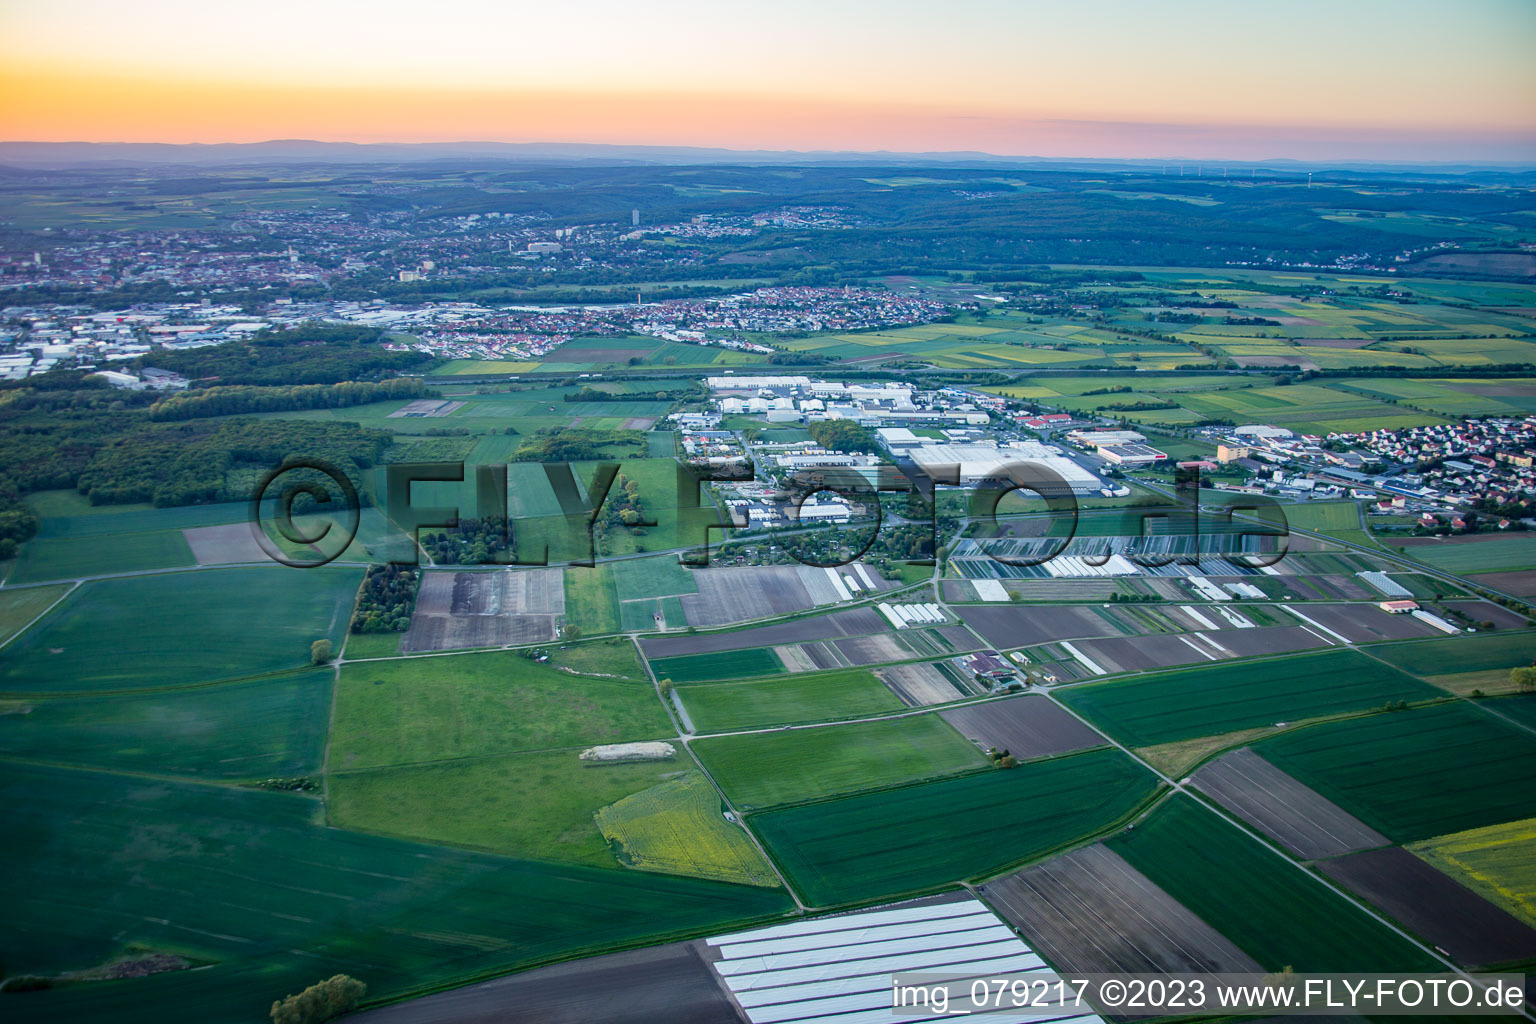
[241, 399]
[564, 445]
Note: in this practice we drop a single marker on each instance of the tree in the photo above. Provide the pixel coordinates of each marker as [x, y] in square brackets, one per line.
[322, 1001]
[1523, 678]
[320, 652]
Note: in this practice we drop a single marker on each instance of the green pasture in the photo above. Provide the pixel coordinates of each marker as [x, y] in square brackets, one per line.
[1477, 653]
[537, 805]
[769, 769]
[470, 705]
[1516, 551]
[783, 700]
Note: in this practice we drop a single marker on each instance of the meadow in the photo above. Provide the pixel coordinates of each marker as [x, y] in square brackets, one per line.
[678, 827]
[537, 804]
[769, 769]
[180, 628]
[1172, 706]
[240, 879]
[1416, 774]
[471, 705]
[933, 834]
[1273, 910]
[787, 700]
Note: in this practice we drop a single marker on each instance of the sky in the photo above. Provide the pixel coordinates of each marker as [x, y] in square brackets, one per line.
[1234, 79]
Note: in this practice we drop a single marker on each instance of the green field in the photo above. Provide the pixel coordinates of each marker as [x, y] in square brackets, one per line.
[589, 601]
[180, 628]
[252, 884]
[19, 607]
[613, 658]
[1417, 774]
[1461, 556]
[1480, 653]
[678, 827]
[787, 700]
[1324, 516]
[768, 769]
[1276, 912]
[252, 730]
[469, 705]
[661, 576]
[1164, 708]
[538, 805]
[697, 668]
[934, 834]
[1498, 861]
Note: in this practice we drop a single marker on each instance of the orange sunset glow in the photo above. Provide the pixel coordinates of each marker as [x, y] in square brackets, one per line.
[1303, 80]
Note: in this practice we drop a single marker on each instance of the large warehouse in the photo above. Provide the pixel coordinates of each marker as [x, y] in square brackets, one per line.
[980, 461]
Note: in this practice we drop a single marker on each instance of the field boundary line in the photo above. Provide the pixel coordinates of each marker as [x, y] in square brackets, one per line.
[40, 615]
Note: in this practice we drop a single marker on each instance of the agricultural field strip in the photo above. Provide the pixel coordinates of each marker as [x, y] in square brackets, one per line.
[72, 585]
[1176, 787]
[681, 734]
[1303, 821]
[1089, 910]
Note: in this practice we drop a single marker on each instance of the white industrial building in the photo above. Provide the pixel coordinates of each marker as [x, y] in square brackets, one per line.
[980, 461]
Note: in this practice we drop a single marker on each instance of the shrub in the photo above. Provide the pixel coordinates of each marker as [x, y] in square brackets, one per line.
[322, 1001]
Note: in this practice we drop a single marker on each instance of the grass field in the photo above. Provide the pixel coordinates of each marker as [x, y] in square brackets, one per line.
[469, 705]
[19, 607]
[1498, 861]
[1275, 912]
[768, 769]
[679, 827]
[697, 668]
[537, 805]
[180, 628]
[614, 658]
[786, 700]
[934, 834]
[662, 576]
[1416, 774]
[251, 883]
[253, 730]
[372, 645]
[589, 601]
[1165, 708]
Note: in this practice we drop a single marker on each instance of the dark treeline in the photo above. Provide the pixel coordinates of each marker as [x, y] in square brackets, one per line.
[191, 463]
[313, 354]
[574, 445]
[387, 599]
[242, 399]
